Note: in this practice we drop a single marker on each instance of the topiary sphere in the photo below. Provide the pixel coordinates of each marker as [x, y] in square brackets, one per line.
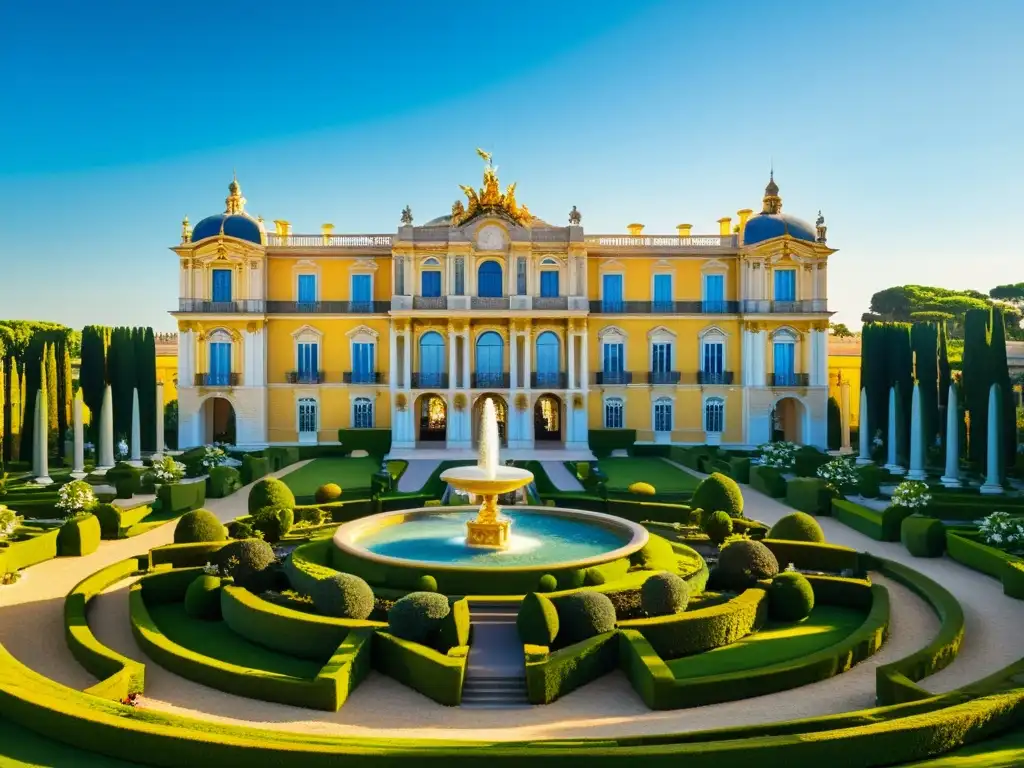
[270, 492]
[790, 597]
[426, 583]
[547, 583]
[798, 526]
[641, 489]
[199, 525]
[253, 567]
[593, 577]
[718, 527]
[327, 493]
[202, 598]
[744, 562]
[585, 614]
[656, 555]
[537, 620]
[664, 594]
[344, 596]
[719, 492]
[274, 523]
[418, 616]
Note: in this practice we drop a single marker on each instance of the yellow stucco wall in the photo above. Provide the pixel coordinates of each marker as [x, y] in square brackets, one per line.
[167, 374]
[844, 365]
[334, 282]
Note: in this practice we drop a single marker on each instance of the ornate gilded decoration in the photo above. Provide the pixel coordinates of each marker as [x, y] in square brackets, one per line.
[522, 402]
[407, 216]
[255, 326]
[401, 402]
[577, 402]
[184, 326]
[234, 203]
[458, 211]
[772, 202]
[575, 217]
[459, 401]
[186, 231]
[489, 199]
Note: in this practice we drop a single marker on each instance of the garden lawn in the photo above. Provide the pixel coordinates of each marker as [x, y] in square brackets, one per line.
[216, 640]
[352, 475]
[665, 478]
[827, 625]
[1005, 751]
[22, 748]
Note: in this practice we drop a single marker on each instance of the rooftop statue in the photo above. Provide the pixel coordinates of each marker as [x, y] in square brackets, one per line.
[490, 199]
[575, 217]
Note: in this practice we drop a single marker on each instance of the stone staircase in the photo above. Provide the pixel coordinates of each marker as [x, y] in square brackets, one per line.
[496, 671]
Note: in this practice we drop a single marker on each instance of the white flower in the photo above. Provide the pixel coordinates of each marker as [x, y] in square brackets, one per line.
[211, 570]
[167, 470]
[911, 494]
[781, 455]
[1001, 530]
[122, 448]
[840, 474]
[790, 567]
[75, 497]
[213, 457]
[8, 522]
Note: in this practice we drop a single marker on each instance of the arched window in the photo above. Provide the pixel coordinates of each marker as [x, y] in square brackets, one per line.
[488, 280]
[430, 278]
[490, 363]
[308, 419]
[549, 278]
[613, 357]
[432, 361]
[362, 413]
[663, 415]
[662, 357]
[714, 415]
[613, 413]
[219, 371]
[712, 357]
[548, 364]
[307, 357]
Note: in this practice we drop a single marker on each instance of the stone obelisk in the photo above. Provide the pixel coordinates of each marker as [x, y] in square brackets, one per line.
[890, 463]
[864, 431]
[40, 440]
[916, 437]
[951, 477]
[136, 447]
[159, 421]
[106, 437]
[78, 468]
[993, 483]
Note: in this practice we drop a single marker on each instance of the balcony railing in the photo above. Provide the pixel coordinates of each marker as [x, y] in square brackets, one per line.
[217, 379]
[329, 241]
[304, 377]
[550, 302]
[664, 307]
[430, 302]
[489, 302]
[714, 377]
[660, 242]
[363, 377]
[549, 379]
[429, 380]
[490, 381]
[328, 307]
[789, 379]
[613, 377]
[220, 307]
[802, 306]
[663, 377]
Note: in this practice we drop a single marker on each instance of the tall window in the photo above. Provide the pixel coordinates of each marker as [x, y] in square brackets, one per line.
[714, 293]
[613, 413]
[363, 370]
[307, 289]
[785, 285]
[488, 283]
[663, 415]
[309, 362]
[663, 293]
[430, 283]
[362, 413]
[362, 292]
[713, 361]
[219, 374]
[490, 364]
[611, 296]
[613, 363]
[222, 285]
[784, 360]
[714, 415]
[460, 275]
[549, 282]
[432, 362]
[400, 275]
[661, 357]
[521, 276]
[547, 360]
[307, 416]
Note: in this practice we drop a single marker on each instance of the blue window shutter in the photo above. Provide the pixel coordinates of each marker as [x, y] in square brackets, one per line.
[549, 283]
[430, 284]
[222, 285]
[663, 289]
[489, 280]
[307, 288]
[785, 285]
[361, 288]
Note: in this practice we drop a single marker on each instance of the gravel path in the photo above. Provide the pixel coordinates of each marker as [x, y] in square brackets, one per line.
[561, 477]
[417, 474]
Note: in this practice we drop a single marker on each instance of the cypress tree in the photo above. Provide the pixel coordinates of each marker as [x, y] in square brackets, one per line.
[835, 425]
[1000, 373]
[51, 386]
[944, 379]
[976, 380]
[145, 364]
[924, 338]
[873, 377]
[902, 428]
[92, 375]
[35, 357]
[65, 390]
[900, 367]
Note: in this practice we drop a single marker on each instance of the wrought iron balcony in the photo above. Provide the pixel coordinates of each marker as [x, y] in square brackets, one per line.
[328, 307]
[304, 377]
[613, 377]
[217, 379]
[489, 302]
[549, 379]
[789, 379]
[714, 377]
[664, 307]
[429, 302]
[798, 307]
[550, 302]
[429, 380]
[490, 381]
[363, 377]
[663, 377]
[206, 306]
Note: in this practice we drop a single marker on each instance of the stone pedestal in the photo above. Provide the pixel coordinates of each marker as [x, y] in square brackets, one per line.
[951, 477]
[488, 530]
[993, 484]
[916, 437]
[78, 463]
[864, 432]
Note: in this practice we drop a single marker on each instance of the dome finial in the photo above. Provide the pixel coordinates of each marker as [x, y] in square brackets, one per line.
[234, 203]
[772, 201]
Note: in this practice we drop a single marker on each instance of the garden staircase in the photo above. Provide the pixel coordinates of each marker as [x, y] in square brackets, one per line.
[496, 670]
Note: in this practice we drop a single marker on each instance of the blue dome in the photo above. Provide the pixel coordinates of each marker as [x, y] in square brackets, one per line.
[765, 226]
[233, 225]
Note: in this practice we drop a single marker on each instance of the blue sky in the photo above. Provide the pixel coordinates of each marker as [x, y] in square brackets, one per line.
[903, 122]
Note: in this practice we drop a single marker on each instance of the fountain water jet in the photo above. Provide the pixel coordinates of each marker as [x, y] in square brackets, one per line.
[489, 480]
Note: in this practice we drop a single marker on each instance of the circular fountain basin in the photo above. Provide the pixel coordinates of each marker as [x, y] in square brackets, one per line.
[399, 547]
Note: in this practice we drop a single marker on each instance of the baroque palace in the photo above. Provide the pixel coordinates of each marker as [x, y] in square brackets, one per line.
[286, 338]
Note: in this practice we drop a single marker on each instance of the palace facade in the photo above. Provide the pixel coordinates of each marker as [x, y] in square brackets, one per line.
[286, 338]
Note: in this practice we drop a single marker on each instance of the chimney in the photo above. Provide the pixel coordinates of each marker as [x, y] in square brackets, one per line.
[744, 214]
[725, 226]
[635, 229]
[684, 229]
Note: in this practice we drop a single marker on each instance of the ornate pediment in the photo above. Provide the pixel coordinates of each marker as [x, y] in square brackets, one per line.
[490, 200]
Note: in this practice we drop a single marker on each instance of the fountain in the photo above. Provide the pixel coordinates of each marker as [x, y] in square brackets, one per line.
[488, 480]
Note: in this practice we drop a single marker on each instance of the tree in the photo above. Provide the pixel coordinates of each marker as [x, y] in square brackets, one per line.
[1000, 376]
[92, 374]
[1011, 292]
[976, 380]
[924, 338]
[904, 303]
[944, 380]
[145, 379]
[840, 331]
[51, 386]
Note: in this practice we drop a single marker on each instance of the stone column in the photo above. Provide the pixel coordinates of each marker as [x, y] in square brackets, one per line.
[106, 436]
[159, 420]
[864, 432]
[452, 367]
[993, 483]
[571, 360]
[467, 380]
[951, 478]
[407, 361]
[392, 361]
[890, 446]
[916, 437]
[513, 358]
[78, 467]
[41, 441]
[527, 359]
[135, 458]
[844, 395]
[584, 365]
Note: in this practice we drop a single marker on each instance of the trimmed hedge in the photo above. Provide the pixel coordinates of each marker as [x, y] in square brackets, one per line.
[816, 556]
[768, 481]
[185, 555]
[807, 461]
[797, 526]
[552, 675]
[253, 468]
[281, 456]
[718, 493]
[197, 526]
[270, 493]
[115, 521]
[881, 526]
[923, 536]
[744, 562]
[417, 617]
[436, 675]
[253, 567]
[810, 494]
[178, 498]
[966, 547]
[222, 481]
[376, 442]
[344, 596]
[32, 546]
[603, 441]
[537, 620]
[739, 469]
[202, 598]
[79, 536]
[664, 594]
[455, 627]
[790, 597]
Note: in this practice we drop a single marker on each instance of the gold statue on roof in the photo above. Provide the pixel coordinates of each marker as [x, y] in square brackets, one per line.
[490, 199]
